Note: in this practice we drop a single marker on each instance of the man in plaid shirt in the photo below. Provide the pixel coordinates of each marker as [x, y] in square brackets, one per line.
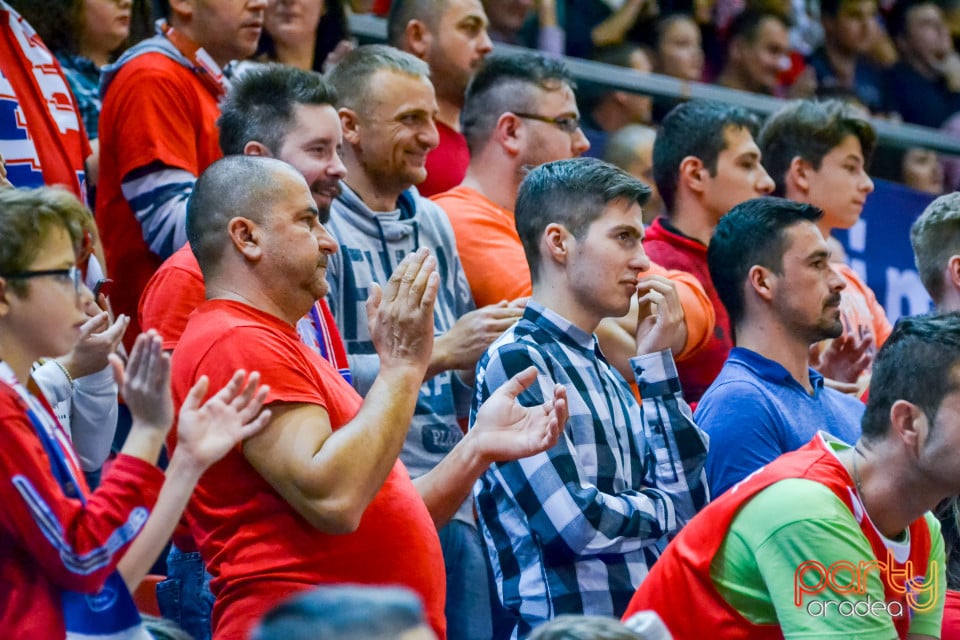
[575, 529]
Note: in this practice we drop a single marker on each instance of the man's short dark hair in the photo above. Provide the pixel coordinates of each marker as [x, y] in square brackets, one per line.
[508, 82]
[403, 11]
[752, 233]
[695, 129]
[917, 363]
[746, 25]
[234, 186]
[343, 613]
[260, 105]
[573, 193]
[896, 18]
[810, 130]
[831, 8]
[935, 237]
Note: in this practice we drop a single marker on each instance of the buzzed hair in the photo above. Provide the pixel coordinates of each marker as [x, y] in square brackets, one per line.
[573, 193]
[508, 82]
[935, 237]
[234, 186]
[260, 105]
[622, 145]
[403, 11]
[810, 130]
[351, 77]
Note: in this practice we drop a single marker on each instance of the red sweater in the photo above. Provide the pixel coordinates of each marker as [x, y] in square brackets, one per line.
[673, 250]
[49, 541]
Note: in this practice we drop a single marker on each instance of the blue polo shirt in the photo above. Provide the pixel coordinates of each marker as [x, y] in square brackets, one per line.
[755, 411]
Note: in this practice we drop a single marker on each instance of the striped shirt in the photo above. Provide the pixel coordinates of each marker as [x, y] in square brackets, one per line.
[576, 528]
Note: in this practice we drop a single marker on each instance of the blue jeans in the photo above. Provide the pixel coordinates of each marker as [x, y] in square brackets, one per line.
[470, 601]
[185, 597]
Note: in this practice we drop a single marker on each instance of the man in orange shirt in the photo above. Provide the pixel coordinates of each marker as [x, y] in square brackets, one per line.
[521, 112]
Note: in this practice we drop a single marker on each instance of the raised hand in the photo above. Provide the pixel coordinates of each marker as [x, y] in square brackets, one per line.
[505, 430]
[145, 383]
[98, 339]
[206, 431]
[660, 321]
[468, 338]
[400, 318]
[844, 359]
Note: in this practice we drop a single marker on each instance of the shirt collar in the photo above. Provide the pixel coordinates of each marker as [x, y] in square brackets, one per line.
[558, 326]
[772, 370]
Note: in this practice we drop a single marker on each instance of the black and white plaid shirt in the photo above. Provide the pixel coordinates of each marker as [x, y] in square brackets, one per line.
[575, 529]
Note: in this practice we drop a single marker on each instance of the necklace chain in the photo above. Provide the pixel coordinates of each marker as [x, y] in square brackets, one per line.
[856, 472]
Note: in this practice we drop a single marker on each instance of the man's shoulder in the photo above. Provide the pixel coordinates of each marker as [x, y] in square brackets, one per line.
[465, 200]
[152, 66]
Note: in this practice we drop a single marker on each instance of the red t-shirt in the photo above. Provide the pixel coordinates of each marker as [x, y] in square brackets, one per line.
[674, 251]
[257, 547]
[155, 110]
[951, 616]
[447, 164]
[41, 133]
[49, 541]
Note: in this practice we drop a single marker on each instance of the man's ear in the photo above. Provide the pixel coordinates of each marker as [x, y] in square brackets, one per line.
[557, 242]
[350, 123]
[508, 133]
[181, 10]
[760, 279]
[952, 275]
[5, 294]
[418, 38]
[254, 148]
[693, 174]
[798, 175]
[909, 423]
[245, 237]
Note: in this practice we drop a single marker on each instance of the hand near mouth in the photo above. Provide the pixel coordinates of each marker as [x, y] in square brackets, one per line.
[661, 321]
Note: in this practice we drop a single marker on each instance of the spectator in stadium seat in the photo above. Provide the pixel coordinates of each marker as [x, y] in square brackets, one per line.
[818, 153]
[451, 36]
[705, 161]
[771, 267]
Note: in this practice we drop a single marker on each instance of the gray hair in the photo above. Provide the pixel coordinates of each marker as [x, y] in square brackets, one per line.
[351, 77]
[935, 236]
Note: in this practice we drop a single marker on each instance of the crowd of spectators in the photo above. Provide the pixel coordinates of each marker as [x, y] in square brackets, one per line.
[279, 310]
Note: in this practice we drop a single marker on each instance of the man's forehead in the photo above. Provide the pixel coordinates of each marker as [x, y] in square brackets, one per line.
[460, 9]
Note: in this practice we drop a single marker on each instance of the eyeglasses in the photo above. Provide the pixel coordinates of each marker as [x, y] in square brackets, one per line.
[72, 275]
[567, 124]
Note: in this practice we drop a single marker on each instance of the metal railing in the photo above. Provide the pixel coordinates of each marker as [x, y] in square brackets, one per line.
[372, 28]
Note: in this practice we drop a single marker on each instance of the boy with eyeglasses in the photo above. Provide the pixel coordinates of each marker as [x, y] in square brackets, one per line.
[71, 557]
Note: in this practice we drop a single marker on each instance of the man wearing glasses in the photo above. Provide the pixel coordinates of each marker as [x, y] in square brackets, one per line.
[520, 113]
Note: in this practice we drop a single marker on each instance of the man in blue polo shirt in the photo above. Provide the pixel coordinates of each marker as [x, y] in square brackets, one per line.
[771, 267]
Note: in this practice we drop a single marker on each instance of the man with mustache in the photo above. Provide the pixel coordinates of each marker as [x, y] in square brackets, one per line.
[288, 114]
[818, 153]
[772, 270]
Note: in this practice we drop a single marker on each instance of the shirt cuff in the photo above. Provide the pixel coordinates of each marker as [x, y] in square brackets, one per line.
[656, 373]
